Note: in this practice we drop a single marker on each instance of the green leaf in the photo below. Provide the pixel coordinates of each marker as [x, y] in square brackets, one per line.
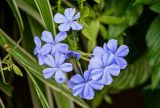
[6, 88]
[85, 29]
[155, 7]
[111, 20]
[84, 12]
[44, 8]
[103, 31]
[17, 70]
[97, 1]
[30, 10]
[93, 29]
[1, 103]
[38, 90]
[25, 59]
[61, 101]
[16, 13]
[153, 41]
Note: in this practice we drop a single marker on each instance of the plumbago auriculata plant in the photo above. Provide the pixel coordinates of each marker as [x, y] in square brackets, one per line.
[105, 62]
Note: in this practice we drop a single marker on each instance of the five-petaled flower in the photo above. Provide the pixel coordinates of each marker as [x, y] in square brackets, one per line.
[53, 45]
[84, 86]
[119, 53]
[103, 68]
[67, 20]
[57, 67]
[37, 50]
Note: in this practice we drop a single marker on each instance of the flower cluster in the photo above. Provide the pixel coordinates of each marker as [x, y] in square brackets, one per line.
[104, 62]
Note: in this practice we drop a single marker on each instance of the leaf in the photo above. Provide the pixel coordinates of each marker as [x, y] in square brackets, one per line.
[30, 10]
[97, 1]
[85, 29]
[84, 12]
[93, 29]
[155, 7]
[103, 31]
[17, 70]
[153, 41]
[61, 101]
[38, 90]
[6, 88]
[111, 20]
[44, 8]
[16, 13]
[25, 59]
[136, 74]
[1, 103]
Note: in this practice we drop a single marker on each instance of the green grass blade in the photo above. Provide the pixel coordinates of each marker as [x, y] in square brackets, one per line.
[44, 8]
[16, 13]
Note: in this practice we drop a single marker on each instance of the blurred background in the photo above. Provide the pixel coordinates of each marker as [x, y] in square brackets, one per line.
[135, 23]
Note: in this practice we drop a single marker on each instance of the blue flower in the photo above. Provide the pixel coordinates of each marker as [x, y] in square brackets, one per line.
[119, 53]
[103, 68]
[84, 86]
[54, 45]
[57, 67]
[74, 54]
[67, 20]
[37, 50]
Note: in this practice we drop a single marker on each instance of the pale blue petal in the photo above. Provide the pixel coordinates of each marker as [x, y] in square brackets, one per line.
[95, 85]
[76, 26]
[40, 59]
[106, 49]
[37, 41]
[49, 60]
[88, 92]
[36, 50]
[113, 69]
[59, 18]
[121, 62]
[59, 58]
[77, 16]
[49, 72]
[108, 58]
[47, 37]
[46, 49]
[75, 80]
[98, 51]
[112, 45]
[95, 63]
[66, 67]
[63, 48]
[87, 75]
[122, 51]
[69, 13]
[60, 77]
[106, 78]
[78, 90]
[60, 36]
[96, 74]
[75, 54]
[53, 50]
[64, 26]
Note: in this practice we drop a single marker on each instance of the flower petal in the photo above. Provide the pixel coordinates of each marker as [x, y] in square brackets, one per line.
[47, 37]
[49, 60]
[59, 58]
[76, 26]
[66, 67]
[60, 77]
[78, 90]
[60, 36]
[59, 18]
[63, 48]
[37, 41]
[108, 58]
[121, 62]
[122, 51]
[75, 54]
[96, 85]
[64, 26]
[46, 49]
[112, 45]
[75, 80]
[98, 51]
[106, 79]
[49, 72]
[87, 75]
[96, 74]
[88, 92]
[106, 49]
[69, 13]
[40, 59]
[53, 50]
[77, 16]
[113, 70]
[95, 63]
